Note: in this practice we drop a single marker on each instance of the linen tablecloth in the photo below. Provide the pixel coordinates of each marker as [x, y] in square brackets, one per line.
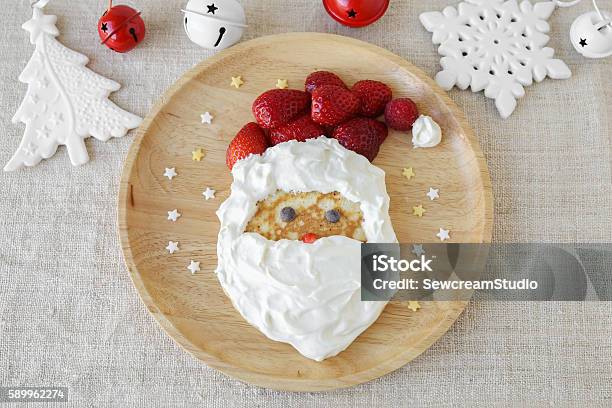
[69, 315]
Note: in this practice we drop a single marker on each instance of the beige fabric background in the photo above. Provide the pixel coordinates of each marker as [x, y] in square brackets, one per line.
[70, 316]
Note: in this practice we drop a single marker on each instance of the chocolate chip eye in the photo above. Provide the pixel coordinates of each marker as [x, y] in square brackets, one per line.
[332, 216]
[287, 214]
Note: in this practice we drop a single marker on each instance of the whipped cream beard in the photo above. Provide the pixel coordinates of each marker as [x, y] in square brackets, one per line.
[307, 295]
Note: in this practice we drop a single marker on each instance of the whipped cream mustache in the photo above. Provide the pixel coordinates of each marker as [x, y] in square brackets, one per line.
[307, 295]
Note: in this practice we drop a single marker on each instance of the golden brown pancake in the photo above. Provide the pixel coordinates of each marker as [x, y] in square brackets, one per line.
[310, 211]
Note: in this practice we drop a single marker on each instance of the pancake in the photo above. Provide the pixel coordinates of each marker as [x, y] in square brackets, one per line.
[310, 211]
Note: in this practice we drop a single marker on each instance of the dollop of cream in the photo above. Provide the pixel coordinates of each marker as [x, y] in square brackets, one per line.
[307, 295]
[426, 132]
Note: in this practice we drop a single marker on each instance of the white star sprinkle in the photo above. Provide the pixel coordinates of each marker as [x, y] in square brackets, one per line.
[173, 215]
[443, 234]
[207, 118]
[433, 193]
[418, 249]
[194, 267]
[172, 247]
[209, 193]
[170, 173]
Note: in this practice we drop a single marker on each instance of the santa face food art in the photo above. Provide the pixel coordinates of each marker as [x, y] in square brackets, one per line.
[304, 294]
[214, 24]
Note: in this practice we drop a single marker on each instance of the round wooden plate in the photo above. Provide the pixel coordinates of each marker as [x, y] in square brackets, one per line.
[193, 308]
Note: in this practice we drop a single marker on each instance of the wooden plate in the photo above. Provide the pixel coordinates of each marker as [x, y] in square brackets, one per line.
[193, 308]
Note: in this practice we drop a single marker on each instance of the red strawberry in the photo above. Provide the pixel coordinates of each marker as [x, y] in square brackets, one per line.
[300, 129]
[332, 105]
[329, 130]
[381, 130]
[401, 113]
[278, 107]
[251, 139]
[318, 78]
[374, 96]
[360, 135]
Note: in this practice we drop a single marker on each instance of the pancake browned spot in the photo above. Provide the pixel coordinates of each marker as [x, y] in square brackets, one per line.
[310, 211]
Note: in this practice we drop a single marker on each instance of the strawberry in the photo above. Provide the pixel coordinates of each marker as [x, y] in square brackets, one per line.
[381, 130]
[361, 135]
[278, 107]
[300, 129]
[251, 139]
[318, 78]
[401, 113]
[374, 96]
[332, 105]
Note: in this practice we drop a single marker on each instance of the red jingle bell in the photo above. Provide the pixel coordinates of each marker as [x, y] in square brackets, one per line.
[356, 13]
[121, 28]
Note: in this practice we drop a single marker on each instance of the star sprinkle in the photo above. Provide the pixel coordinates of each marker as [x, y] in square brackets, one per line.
[418, 210]
[413, 305]
[237, 82]
[418, 249]
[282, 84]
[408, 173]
[443, 234]
[172, 247]
[173, 215]
[197, 154]
[207, 118]
[194, 267]
[433, 193]
[170, 173]
[209, 193]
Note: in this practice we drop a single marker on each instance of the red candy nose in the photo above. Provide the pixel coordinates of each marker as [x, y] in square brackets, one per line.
[310, 238]
[356, 13]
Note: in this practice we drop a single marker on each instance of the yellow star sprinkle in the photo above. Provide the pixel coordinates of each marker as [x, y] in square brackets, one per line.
[282, 84]
[408, 173]
[197, 154]
[418, 210]
[237, 82]
[413, 305]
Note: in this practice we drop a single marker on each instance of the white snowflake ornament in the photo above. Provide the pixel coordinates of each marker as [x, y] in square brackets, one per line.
[496, 46]
[65, 101]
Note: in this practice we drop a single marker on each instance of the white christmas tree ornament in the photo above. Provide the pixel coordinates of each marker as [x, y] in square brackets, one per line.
[496, 46]
[65, 101]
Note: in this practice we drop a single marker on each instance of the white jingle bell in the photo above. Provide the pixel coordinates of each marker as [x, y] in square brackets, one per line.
[591, 36]
[214, 24]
